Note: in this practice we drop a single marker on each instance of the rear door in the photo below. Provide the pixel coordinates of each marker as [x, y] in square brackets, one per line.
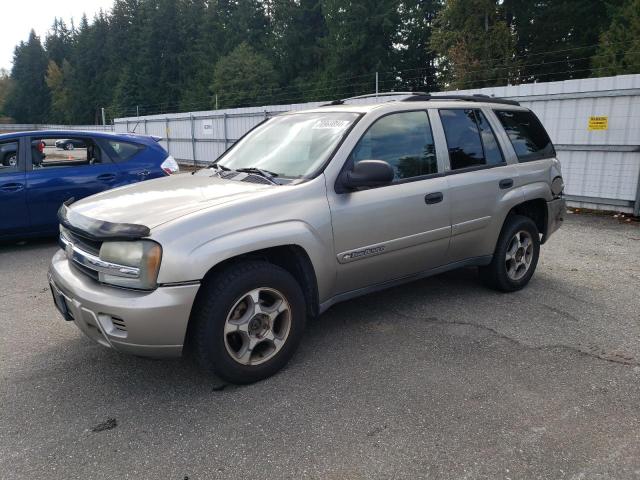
[136, 161]
[14, 218]
[479, 180]
[56, 175]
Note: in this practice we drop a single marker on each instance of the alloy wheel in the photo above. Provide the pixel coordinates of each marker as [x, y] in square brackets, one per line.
[257, 326]
[519, 255]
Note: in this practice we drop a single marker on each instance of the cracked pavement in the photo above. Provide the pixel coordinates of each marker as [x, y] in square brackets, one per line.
[440, 378]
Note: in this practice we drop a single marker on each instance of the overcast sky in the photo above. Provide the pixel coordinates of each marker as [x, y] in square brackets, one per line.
[20, 16]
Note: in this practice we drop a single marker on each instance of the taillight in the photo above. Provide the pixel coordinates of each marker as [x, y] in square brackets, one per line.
[170, 166]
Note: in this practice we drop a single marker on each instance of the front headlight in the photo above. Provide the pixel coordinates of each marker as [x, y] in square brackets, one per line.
[143, 255]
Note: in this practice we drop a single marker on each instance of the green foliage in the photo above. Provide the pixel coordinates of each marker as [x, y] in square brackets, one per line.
[57, 80]
[619, 49]
[156, 56]
[475, 42]
[556, 38]
[244, 77]
[415, 60]
[28, 100]
[5, 87]
[359, 42]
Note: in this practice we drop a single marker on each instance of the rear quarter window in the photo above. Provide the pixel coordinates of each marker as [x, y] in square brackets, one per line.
[527, 135]
[122, 151]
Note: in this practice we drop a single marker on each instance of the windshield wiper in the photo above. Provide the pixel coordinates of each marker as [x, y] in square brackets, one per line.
[259, 171]
[217, 166]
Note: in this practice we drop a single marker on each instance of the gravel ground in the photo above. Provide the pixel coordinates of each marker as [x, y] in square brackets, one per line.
[436, 379]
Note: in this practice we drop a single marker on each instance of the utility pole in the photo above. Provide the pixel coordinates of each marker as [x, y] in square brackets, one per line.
[104, 122]
[137, 110]
[216, 101]
[376, 84]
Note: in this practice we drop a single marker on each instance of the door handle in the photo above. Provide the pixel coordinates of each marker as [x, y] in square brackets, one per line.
[144, 173]
[432, 198]
[506, 183]
[106, 177]
[12, 187]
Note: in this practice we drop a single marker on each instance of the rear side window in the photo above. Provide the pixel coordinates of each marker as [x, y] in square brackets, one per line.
[527, 135]
[404, 141]
[123, 150]
[470, 140]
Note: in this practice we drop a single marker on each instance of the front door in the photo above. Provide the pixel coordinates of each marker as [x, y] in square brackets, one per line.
[14, 218]
[386, 233]
[58, 174]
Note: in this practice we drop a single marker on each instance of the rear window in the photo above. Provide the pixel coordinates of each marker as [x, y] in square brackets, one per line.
[123, 150]
[527, 135]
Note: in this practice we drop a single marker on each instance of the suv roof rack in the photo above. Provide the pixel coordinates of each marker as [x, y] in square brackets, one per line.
[373, 95]
[468, 98]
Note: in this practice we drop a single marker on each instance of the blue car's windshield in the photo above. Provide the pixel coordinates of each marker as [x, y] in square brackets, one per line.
[292, 146]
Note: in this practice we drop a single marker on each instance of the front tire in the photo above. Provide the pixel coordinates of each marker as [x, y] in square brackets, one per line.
[248, 321]
[516, 256]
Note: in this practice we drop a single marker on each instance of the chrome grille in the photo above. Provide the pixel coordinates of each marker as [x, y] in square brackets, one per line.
[89, 261]
[86, 244]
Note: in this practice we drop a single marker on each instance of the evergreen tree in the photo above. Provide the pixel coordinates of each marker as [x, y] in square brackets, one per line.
[243, 78]
[619, 49]
[58, 82]
[59, 42]
[28, 100]
[475, 44]
[359, 42]
[5, 86]
[415, 65]
[556, 38]
[297, 31]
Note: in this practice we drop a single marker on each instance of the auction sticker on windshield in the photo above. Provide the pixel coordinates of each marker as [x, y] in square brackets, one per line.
[337, 124]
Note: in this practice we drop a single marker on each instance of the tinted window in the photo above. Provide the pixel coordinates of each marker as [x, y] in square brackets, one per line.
[9, 156]
[463, 138]
[527, 135]
[492, 152]
[124, 150]
[404, 141]
[48, 152]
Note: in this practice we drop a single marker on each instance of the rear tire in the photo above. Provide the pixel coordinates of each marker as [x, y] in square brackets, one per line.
[11, 160]
[248, 321]
[516, 256]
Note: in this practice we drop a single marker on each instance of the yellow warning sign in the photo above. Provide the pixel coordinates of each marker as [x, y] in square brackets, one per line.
[598, 123]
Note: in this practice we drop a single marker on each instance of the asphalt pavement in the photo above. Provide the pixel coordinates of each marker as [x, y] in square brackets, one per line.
[436, 379]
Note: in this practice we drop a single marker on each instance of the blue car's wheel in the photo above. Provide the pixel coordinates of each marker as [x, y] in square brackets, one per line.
[10, 160]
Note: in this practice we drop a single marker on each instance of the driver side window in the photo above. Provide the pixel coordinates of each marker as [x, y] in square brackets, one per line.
[403, 140]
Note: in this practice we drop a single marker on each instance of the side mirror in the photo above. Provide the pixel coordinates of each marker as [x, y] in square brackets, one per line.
[368, 173]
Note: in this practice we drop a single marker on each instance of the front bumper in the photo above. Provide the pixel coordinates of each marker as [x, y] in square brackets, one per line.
[142, 323]
[556, 210]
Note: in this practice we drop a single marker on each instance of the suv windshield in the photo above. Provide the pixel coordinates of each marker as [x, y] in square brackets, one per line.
[292, 146]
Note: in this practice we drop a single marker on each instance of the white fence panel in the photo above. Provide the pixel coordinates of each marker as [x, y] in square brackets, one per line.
[25, 127]
[601, 167]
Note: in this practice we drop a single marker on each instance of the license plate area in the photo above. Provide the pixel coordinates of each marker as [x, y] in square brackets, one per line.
[60, 303]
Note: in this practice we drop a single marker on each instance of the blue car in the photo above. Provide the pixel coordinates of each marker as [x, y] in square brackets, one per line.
[36, 177]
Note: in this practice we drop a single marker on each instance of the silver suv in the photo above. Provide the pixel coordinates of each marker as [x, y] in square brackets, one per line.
[308, 209]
